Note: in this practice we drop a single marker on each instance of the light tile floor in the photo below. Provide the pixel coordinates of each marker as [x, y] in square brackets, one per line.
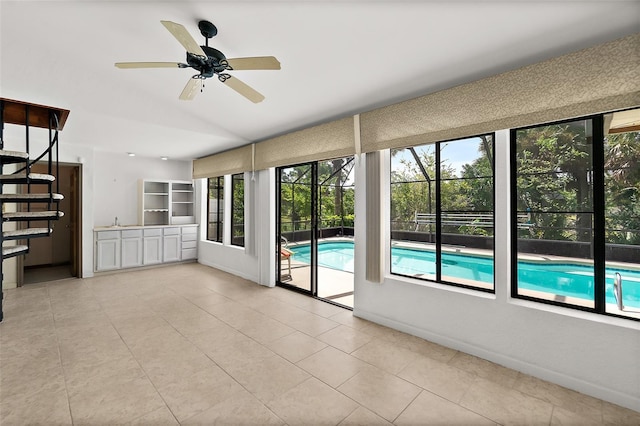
[188, 344]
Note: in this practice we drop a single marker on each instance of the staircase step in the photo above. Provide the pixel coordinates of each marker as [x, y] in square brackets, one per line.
[23, 234]
[27, 198]
[27, 216]
[8, 157]
[22, 178]
[12, 251]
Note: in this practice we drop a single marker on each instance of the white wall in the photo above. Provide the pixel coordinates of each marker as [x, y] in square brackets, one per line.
[109, 183]
[254, 261]
[590, 353]
[116, 178]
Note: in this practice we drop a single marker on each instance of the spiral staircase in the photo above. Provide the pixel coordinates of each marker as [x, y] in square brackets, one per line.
[38, 203]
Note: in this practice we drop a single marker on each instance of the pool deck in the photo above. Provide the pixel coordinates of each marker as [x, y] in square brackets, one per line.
[333, 285]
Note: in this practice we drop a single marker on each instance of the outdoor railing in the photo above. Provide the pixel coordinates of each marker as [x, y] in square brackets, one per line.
[481, 220]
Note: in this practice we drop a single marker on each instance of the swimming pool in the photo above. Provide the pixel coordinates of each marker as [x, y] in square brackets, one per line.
[563, 279]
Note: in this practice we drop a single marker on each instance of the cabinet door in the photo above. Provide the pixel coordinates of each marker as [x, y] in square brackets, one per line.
[171, 248]
[152, 250]
[131, 252]
[108, 254]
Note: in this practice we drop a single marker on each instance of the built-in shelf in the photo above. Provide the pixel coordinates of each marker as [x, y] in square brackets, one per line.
[166, 202]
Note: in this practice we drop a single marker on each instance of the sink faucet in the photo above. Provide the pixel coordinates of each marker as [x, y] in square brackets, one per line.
[115, 223]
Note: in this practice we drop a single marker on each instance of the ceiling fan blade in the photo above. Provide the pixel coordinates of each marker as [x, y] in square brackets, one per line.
[127, 65]
[244, 89]
[182, 35]
[191, 89]
[254, 63]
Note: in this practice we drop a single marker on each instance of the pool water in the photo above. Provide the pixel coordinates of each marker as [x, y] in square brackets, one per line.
[566, 279]
[334, 255]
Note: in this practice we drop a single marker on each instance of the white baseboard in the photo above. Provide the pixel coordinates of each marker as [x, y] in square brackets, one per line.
[232, 271]
[574, 383]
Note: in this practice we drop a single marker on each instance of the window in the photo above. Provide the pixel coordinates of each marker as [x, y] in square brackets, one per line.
[622, 213]
[215, 209]
[442, 217]
[575, 215]
[237, 209]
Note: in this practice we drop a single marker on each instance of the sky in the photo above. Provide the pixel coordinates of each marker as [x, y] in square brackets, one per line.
[456, 153]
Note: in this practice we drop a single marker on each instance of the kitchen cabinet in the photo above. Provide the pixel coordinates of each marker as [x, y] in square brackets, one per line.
[152, 246]
[171, 245]
[131, 248]
[189, 247]
[134, 246]
[107, 250]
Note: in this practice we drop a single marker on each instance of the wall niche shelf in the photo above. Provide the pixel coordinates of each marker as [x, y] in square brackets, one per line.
[166, 202]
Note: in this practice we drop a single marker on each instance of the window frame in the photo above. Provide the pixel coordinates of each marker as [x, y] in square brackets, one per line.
[598, 227]
[235, 178]
[438, 216]
[219, 237]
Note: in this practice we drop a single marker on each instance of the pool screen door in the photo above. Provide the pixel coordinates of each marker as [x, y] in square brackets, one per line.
[297, 227]
[315, 211]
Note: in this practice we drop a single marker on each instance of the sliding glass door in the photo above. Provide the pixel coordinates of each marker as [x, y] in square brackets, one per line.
[315, 211]
[297, 238]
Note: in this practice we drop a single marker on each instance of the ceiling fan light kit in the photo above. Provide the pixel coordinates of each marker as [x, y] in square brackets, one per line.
[209, 62]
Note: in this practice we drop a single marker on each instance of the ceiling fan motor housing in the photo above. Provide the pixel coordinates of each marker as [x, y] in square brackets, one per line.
[209, 66]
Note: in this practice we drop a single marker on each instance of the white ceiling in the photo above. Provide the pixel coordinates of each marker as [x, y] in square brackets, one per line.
[338, 58]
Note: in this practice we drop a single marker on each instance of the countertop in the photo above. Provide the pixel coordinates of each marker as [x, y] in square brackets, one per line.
[121, 227]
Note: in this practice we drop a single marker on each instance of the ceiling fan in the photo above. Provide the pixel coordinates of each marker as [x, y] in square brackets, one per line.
[209, 62]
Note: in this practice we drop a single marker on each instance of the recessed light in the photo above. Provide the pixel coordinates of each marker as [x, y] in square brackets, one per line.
[164, 158]
[131, 154]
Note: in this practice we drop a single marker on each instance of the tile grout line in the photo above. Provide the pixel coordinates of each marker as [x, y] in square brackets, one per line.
[212, 360]
[146, 375]
[64, 374]
[276, 354]
[408, 405]
[382, 337]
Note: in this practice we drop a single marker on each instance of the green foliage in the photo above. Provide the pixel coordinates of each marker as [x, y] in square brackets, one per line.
[552, 165]
[412, 192]
[622, 184]
[554, 175]
[336, 195]
[237, 219]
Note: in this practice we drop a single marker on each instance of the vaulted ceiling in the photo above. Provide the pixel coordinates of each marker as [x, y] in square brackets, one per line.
[338, 58]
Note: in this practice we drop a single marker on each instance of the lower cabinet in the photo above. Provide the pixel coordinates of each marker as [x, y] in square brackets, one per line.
[171, 245]
[108, 254]
[152, 246]
[189, 243]
[130, 248]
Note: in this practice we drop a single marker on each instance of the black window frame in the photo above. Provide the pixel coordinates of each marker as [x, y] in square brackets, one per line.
[219, 190]
[598, 211]
[235, 209]
[438, 216]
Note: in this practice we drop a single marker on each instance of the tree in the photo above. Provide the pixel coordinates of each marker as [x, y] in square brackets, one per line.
[295, 193]
[335, 200]
[414, 181]
[335, 193]
[553, 167]
[622, 183]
